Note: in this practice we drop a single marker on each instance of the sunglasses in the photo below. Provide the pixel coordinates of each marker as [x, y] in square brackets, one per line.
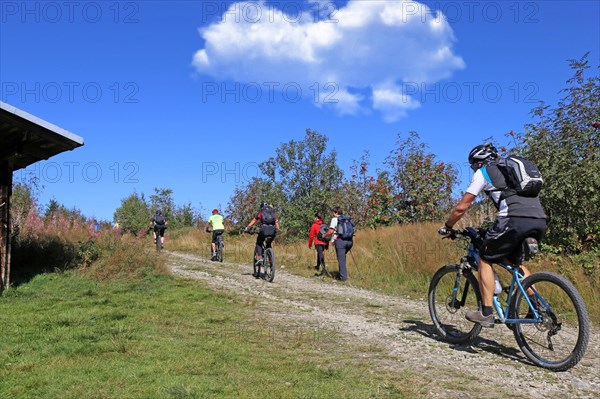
[475, 166]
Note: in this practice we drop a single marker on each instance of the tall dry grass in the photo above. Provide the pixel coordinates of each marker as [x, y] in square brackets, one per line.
[124, 257]
[66, 240]
[397, 259]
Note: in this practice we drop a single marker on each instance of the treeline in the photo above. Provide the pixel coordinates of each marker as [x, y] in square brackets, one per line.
[51, 237]
[135, 212]
[303, 177]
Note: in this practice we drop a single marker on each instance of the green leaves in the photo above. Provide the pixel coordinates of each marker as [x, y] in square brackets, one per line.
[564, 142]
[423, 186]
[300, 180]
[134, 213]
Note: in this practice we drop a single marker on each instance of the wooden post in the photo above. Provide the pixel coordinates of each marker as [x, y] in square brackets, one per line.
[5, 193]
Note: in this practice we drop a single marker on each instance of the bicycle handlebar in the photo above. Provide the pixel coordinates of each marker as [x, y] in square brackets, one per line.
[469, 232]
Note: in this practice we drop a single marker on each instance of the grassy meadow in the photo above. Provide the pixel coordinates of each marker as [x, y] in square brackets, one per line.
[69, 336]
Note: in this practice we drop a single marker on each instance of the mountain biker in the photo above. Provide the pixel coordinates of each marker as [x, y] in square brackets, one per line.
[518, 218]
[320, 245]
[268, 228]
[215, 222]
[341, 246]
[159, 224]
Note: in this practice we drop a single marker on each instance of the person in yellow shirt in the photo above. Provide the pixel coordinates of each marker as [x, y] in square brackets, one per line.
[215, 222]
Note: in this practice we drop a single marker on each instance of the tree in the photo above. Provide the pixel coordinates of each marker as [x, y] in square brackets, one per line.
[368, 199]
[24, 198]
[245, 201]
[564, 142]
[134, 214]
[423, 186]
[185, 216]
[308, 177]
[162, 200]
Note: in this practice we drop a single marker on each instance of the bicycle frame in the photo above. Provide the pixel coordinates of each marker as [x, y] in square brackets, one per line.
[515, 285]
[472, 259]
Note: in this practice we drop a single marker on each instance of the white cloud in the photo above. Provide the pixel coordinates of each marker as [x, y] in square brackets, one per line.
[392, 103]
[366, 46]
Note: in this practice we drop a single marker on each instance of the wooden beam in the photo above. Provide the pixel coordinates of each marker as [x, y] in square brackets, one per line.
[5, 193]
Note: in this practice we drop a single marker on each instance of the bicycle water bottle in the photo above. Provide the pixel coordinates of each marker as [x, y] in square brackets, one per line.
[497, 285]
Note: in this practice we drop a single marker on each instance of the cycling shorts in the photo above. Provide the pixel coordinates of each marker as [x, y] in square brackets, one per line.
[215, 234]
[503, 240]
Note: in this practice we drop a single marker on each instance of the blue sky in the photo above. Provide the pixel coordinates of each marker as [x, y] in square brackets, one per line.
[192, 95]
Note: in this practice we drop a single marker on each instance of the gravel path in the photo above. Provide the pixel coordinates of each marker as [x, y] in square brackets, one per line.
[401, 333]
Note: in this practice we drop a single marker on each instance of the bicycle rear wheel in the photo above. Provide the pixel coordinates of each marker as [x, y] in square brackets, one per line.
[158, 243]
[451, 295]
[269, 263]
[559, 340]
[220, 246]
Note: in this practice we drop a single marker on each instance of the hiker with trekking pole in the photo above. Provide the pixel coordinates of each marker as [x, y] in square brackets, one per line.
[341, 231]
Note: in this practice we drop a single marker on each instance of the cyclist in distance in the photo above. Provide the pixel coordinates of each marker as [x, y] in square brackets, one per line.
[268, 228]
[518, 217]
[159, 224]
[215, 222]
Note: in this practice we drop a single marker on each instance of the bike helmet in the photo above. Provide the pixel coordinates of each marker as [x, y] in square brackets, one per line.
[483, 153]
[262, 205]
[215, 211]
[159, 212]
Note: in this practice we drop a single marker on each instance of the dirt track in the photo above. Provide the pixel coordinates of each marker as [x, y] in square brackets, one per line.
[493, 367]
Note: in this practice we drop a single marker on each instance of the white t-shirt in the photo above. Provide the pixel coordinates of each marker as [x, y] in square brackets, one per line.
[333, 225]
[479, 184]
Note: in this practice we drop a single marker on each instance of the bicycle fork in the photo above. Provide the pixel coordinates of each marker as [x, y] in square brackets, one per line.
[455, 303]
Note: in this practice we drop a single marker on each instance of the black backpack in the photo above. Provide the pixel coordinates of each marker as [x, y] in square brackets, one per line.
[159, 220]
[322, 235]
[522, 177]
[268, 215]
[345, 228]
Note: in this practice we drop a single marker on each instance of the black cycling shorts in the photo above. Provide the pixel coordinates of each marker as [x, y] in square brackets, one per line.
[215, 234]
[160, 229]
[503, 240]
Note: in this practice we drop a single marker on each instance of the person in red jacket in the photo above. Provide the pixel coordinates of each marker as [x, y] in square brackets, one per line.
[320, 244]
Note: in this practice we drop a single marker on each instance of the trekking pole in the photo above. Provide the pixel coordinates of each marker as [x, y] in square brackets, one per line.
[355, 265]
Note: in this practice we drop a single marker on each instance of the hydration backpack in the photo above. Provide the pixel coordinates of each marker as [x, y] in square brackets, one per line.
[345, 228]
[322, 235]
[268, 215]
[159, 220]
[522, 177]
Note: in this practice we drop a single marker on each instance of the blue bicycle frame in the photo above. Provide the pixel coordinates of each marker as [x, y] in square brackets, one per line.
[515, 284]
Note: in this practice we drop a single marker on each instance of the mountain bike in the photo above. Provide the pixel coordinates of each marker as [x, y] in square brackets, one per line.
[267, 263]
[547, 315]
[159, 234]
[219, 246]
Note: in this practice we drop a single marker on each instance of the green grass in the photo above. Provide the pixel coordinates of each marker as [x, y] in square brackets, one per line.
[66, 336]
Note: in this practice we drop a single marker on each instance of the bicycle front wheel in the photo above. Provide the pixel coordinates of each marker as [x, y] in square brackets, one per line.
[269, 260]
[255, 266]
[559, 339]
[451, 295]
